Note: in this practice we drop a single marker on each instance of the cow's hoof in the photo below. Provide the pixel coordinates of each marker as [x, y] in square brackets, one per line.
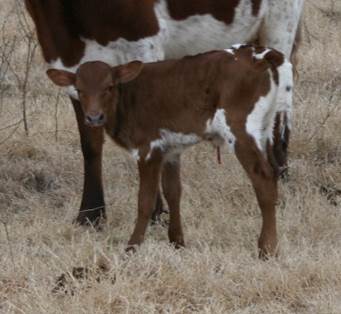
[90, 218]
[177, 240]
[178, 244]
[158, 216]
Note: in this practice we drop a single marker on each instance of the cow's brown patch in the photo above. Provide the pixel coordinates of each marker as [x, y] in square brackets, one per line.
[222, 10]
[61, 24]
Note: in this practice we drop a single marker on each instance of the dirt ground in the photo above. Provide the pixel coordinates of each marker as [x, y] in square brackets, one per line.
[218, 271]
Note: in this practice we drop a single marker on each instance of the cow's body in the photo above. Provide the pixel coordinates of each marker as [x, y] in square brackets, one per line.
[117, 31]
[226, 97]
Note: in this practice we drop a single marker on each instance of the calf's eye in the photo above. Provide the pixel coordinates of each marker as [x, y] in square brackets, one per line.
[108, 89]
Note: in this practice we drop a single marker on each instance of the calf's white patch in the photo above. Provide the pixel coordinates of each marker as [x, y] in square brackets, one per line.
[135, 154]
[218, 131]
[172, 143]
[260, 122]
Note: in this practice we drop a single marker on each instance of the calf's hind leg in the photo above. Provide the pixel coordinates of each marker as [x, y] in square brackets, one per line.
[264, 182]
[171, 185]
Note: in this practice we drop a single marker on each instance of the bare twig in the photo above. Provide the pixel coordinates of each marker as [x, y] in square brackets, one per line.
[31, 48]
[56, 115]
[332, 106]
[11, 125]
[9, 243]
[10, 135]
[6, 53]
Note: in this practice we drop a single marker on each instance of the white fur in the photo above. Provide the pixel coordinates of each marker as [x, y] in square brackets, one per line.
[202, 33]
[285, 96]
[218, 131]
[231, 51]
[260, 121]
[281, 23]
[260, 56]
[172, 143]
[135, 154]
[237, 46]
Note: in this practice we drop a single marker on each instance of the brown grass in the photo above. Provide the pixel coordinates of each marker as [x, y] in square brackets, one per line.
[218, 272]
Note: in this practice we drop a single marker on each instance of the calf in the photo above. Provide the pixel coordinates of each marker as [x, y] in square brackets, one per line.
[156, 110]
[71, 33]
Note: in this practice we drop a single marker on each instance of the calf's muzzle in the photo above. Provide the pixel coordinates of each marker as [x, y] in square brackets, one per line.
[95, 120]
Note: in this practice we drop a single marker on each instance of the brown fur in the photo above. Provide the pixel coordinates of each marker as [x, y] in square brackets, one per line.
[60, 24]
[222, 10]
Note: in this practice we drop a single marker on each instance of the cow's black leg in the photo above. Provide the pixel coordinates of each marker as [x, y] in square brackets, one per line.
[158, 209]
[92, 208]
[281, 142]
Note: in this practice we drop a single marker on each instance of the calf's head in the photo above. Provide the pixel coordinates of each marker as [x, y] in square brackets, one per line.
[97, 86]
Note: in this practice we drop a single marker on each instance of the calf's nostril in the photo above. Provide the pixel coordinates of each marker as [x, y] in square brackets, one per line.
[95, 119]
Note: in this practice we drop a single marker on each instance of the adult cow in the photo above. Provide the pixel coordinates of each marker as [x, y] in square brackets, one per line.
[117, 31]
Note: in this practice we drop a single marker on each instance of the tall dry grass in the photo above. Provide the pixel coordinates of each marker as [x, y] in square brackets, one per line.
[218, 272]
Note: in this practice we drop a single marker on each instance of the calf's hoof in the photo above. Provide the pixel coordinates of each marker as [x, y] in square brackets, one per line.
[283, 173]
[93, 218]
[131, 249]
[267, 250]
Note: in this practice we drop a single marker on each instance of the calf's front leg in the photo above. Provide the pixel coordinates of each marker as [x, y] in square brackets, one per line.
[149, 173]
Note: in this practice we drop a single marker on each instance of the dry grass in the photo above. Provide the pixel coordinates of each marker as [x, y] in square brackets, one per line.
[218, 272]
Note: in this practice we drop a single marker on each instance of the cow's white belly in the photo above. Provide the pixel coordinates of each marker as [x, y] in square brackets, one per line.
[202, 33]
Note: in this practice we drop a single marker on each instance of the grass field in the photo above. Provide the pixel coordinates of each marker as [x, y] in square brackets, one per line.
[218, 271]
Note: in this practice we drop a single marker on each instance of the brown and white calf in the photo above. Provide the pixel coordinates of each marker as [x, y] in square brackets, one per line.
[156, 110]
[71, 33]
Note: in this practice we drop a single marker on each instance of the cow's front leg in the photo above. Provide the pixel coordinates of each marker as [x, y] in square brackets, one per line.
[149, 173]
[92, 208]
[281, 141]
[158, 210]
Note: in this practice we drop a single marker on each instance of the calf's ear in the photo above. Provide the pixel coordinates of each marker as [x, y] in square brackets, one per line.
[127, 72]
[61, 78]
